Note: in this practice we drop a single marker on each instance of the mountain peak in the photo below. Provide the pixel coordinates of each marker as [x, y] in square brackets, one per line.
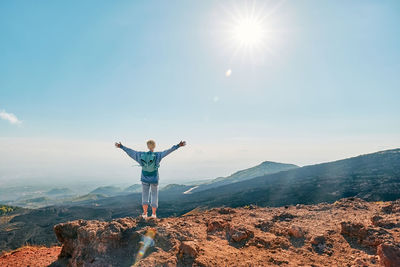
[389, 151]
[266, 167]
[277, 163]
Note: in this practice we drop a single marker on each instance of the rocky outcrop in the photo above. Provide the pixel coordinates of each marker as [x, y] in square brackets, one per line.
[188, 251]
[320, 244]
[346, 233]
[239, 234]
[296, 231]
[366, 235]
[392, 208]
[98, 243]
[389, 255]
[216, 225]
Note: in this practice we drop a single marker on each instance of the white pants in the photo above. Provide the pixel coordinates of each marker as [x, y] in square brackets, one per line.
[146, 189]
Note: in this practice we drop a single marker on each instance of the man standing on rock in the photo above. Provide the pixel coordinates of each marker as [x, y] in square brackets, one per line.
[150, 162]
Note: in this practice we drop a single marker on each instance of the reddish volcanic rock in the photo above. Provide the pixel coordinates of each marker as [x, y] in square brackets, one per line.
[284, 216]
[393, 207]
[226, 211]
[389, 255]
[188, 251]
[32, 256]
[296, 231]
[386, 221]
[97, 243]
[339, 234]
[216, 225]
[366, 236]
[265, 226]
[239, 234]
[318, 240]
[356, 230]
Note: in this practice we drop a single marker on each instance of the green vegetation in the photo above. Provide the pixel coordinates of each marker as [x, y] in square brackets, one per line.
[4, 209]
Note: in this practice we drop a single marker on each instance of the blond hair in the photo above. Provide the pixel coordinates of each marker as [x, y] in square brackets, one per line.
[151, 143]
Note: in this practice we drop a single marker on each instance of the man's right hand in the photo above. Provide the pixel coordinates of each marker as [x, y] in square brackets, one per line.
[118, 145]
[182, 143]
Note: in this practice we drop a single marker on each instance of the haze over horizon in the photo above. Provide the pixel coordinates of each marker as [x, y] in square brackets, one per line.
[311, 82]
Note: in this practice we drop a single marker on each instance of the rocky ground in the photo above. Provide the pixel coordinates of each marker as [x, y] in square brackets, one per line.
[349, 232]
[32, 256]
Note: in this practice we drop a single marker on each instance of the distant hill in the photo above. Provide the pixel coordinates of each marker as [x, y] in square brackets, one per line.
[87, 197]
[114, 190]
[133, 188]
[175, 188]
[267, 167]
[60, 192]
[16, 193]
[35, 202]
[107, 190]
[373, 177]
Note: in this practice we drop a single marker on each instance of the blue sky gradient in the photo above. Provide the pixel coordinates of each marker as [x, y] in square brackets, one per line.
[88, 73]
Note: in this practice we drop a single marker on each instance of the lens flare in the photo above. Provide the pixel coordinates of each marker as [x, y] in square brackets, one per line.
[146, 242]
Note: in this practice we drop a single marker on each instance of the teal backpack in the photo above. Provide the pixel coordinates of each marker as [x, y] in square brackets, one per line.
[148, 163]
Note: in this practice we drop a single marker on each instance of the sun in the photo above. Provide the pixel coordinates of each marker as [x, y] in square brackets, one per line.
[248, 32]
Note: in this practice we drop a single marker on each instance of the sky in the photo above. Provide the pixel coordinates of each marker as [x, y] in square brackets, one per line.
[308, 82]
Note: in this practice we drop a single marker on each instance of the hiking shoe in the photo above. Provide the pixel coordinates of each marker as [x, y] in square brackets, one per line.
[144, 216]
[154, 216]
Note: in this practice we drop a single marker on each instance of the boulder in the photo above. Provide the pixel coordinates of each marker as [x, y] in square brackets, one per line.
[284, 216]
[260, 242]
[366, 236]
[296, 231]
[216, 225]
[187, 253]
[188, 249]
[264, 225]
[389, 255]
[319, 239]
[393, 207]
[387, 223]
[320, 245]
[226, 211]
[97, 243]
[238, 234]
[351, 229]
[351, 202]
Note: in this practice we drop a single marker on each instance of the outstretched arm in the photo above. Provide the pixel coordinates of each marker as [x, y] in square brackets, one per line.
[173, 148]
[131, 153]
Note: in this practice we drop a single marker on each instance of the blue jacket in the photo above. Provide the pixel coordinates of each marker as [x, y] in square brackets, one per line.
[159, 156]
